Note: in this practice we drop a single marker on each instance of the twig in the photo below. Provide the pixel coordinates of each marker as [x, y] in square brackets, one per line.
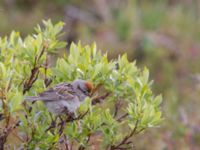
[118, 104]
[63, 122]
[66, 142]
[6, 132]
[81, 147]
[70, 119]
[95, 89]
[32, 135]
[122, 117]
[71, 146]
[30, 81]
[34, 72]
[47, 81]
[140, 130]
[126, 138]
[100, 98]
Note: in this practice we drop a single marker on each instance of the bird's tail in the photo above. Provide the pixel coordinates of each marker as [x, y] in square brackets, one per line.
[31, 98]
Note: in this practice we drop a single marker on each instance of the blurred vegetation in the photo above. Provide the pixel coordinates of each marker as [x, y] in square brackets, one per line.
[160, 34]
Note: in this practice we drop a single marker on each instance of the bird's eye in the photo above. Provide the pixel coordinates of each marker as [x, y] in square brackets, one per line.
[84, 91]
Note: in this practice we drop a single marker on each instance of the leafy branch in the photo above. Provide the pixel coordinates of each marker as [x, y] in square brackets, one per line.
[121, 94]
[34, 71]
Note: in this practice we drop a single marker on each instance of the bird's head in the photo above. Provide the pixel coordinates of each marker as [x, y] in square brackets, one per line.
[82, 87]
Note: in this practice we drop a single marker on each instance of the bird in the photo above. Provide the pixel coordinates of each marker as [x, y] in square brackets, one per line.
[64, 98]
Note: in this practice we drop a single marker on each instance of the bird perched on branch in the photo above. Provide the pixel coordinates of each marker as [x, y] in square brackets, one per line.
[64, 98]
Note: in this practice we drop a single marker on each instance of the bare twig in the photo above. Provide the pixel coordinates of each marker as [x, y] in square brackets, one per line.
[66, 142]
[122, 117]
[31, 80]
[81, 147]
[70, 119]
[95, 89]
[100, 98]
[71, 146]
[126, 138]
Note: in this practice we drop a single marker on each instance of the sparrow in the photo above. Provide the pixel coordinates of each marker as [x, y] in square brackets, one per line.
[64, 98]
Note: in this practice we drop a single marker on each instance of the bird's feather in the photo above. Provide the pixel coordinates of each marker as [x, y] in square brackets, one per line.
[62, 91]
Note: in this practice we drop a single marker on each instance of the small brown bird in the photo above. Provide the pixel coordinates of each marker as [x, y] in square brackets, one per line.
[64, 98]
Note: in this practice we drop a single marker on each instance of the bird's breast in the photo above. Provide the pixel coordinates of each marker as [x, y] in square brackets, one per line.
[58, 107]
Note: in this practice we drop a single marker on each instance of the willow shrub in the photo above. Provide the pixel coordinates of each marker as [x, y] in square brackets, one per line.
[122, 104]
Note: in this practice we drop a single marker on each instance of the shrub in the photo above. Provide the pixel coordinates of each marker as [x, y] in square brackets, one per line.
[122, 105]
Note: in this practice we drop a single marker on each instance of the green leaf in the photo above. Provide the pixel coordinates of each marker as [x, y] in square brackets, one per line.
[2, 71]
[157, 100]
[145, 75]
[15, 102]
[14, 38]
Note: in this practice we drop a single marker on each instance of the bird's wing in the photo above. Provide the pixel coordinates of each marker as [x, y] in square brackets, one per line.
[62, 91]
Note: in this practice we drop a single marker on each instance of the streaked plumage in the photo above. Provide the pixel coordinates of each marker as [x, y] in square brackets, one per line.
[64, 97]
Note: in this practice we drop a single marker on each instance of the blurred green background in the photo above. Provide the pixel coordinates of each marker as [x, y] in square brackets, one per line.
[163, 35]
